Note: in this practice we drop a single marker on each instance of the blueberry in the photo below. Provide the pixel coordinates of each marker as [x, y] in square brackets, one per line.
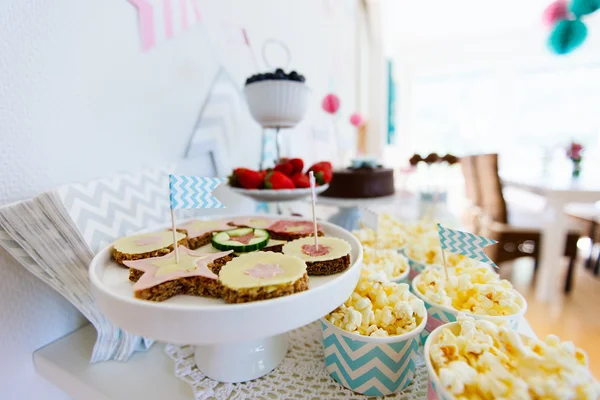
[280, 75]
[260, 77]
[269, 75]
[279, 71]
[301, 78]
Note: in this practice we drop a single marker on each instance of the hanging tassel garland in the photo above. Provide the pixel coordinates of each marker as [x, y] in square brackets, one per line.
[567, 36]
[580, 8]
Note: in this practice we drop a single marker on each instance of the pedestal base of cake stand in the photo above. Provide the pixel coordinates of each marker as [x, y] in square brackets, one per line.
[243, 361]
[349, 213]
[347, 218]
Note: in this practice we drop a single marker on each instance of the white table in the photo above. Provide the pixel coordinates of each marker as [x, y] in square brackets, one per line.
[146, 376]
[558, 194]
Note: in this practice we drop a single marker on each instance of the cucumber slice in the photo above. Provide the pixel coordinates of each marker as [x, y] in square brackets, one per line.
[226, 240]
[256, 240]
[239, 231]
[261, 233]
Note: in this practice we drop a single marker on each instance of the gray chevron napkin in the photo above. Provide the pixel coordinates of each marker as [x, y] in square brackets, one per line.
[56, 234]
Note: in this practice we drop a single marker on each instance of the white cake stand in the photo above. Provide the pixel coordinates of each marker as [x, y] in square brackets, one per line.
[268, 195]
[234, 342]
[349, 212]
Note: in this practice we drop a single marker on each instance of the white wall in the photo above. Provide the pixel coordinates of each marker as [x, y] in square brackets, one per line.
[78, 99]
[503, 38]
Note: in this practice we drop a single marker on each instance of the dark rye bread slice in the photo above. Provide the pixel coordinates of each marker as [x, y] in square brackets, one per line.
[328, 267]
[198, 241]
[264, 292]
[275, 249]
[288, 236]
[192, 285]
[119, 257]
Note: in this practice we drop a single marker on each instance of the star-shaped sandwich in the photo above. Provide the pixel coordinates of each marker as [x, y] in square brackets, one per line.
[160, 278]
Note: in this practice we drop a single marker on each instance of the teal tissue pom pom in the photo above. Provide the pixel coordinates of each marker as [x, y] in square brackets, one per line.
[567, 36]
[584, 7]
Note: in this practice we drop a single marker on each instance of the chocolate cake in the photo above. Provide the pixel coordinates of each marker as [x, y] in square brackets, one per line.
[361, 182]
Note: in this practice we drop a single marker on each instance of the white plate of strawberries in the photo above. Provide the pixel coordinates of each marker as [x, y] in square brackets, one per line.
[287, 181]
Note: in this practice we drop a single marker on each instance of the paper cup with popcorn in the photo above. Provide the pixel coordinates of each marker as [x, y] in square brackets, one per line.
[370, 342]
[402, 278]
[478, 359]
[475, 292]
[373, 366]
[420, 257]
[416, 267]
[388, 264]
[435, 388]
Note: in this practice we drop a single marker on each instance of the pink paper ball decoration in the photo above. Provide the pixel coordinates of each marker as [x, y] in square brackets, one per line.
[556, 11]
[331, 103]
[357, 120]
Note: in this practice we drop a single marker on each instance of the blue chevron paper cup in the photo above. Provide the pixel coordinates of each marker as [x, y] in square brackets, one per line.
[435, 389]
[416, 267]
[402, 278]
[373, 366]
[438, 315]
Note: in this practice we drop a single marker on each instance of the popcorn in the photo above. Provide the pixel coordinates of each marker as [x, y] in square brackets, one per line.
[457, 375]
[379, 308]
[474, 289]
[507, 366]
[427, 250]
[389, 262]
[392, 234]
[420, 240]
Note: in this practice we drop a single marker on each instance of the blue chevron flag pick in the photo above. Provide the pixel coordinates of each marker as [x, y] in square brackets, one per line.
[465, 243]
[369, 218]
[193, 192]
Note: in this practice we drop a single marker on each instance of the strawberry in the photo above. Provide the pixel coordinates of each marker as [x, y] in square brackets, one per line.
[276, 180]
[298, 165]
[301, 180]
[324, 164]
[286, 168]
[323, 172]
[245, 178]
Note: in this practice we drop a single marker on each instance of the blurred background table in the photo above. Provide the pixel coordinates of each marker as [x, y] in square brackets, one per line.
[555, 225]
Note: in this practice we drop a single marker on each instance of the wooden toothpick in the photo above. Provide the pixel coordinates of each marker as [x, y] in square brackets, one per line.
[445, 265]
[174, 236]
[314, 200]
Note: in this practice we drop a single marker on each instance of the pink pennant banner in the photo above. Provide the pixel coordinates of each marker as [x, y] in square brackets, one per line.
[184, 10]
[148, 15]
[146, 21]
[196, 9]
[168, 17]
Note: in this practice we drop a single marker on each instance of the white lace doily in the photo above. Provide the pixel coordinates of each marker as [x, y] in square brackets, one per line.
[301, 375]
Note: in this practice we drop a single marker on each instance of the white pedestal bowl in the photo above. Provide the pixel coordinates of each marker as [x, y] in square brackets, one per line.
[277, 103]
